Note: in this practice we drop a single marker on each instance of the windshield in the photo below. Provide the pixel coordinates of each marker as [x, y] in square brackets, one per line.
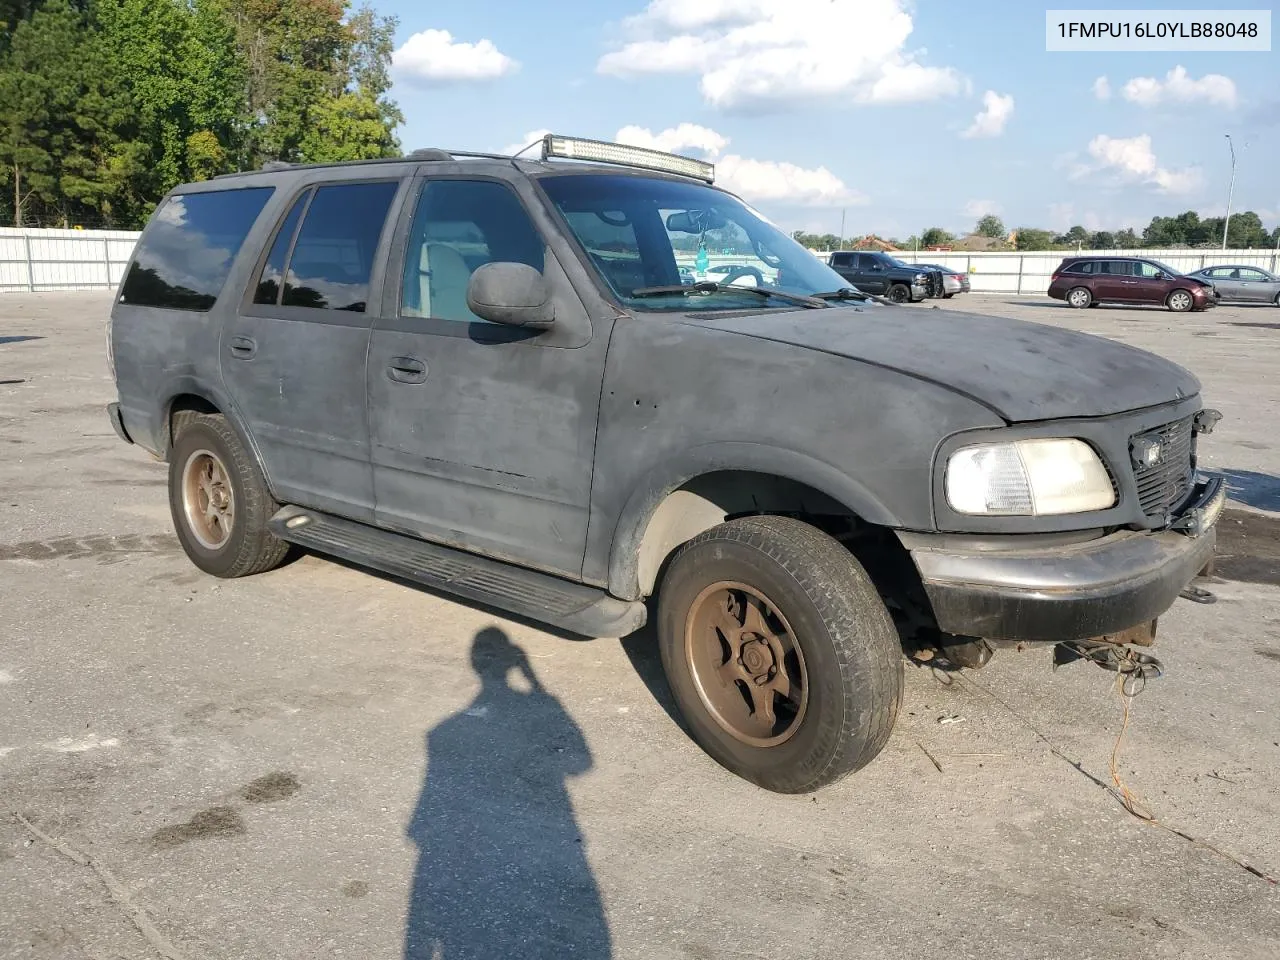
[642, 232]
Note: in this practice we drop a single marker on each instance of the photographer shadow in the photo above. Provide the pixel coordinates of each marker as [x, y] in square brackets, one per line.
[502, 870]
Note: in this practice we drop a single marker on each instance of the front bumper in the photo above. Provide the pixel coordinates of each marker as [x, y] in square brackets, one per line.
[1072, 591]
[117, 421]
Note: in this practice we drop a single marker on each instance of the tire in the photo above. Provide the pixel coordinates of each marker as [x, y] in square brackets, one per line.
[219, 500]
[898, 293]
[1276, 301]
[1079, 297]
[947, 296]
[1180, 301]
[844, 651]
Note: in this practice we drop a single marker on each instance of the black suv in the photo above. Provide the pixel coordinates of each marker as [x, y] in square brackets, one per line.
[485, 375]
[888, 277]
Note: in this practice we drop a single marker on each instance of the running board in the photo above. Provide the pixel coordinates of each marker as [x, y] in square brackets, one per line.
[573, 607]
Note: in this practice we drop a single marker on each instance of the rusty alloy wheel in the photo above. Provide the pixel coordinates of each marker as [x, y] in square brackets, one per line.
[746, 665]
[208, 499]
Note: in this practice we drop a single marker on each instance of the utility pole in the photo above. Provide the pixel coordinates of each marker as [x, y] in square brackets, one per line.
[842, 209]
[1230, 190]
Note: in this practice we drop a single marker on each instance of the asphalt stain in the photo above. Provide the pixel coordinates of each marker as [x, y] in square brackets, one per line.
[10, 383]
[272, 787]
[355, 889]
[214, 822]
[1254, 323]
[1248, 547]
[1205, 333]
[104, 549]
[18, 339]
[1267, 653]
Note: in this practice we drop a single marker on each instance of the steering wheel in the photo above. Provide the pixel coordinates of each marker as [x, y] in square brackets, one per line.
[738, 272]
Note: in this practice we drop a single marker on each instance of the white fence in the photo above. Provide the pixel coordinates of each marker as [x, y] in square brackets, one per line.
[1029, 273]
[34, 260]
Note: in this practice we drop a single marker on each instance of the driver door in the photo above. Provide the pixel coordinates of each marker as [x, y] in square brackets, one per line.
[871, 273]
[482, 435]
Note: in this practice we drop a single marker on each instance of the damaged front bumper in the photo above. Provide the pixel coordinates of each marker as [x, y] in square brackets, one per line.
[992, 588]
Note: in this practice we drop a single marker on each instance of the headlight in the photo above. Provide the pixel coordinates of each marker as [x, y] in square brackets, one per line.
[922, 277]
[1029, 478]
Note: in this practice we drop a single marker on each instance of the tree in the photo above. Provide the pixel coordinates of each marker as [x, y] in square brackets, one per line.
[935, 237]
[1245, 230]
[1126, 239]
[991, 226]
[1103, 240]
[1030, 238]
[64, 132]
[1077, 236]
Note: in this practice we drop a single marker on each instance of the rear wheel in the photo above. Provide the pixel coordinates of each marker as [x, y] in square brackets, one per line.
[219, 500]
[898, 293]
[780, 653]
[1079, 297]
[1180, 301]
[1276, 301]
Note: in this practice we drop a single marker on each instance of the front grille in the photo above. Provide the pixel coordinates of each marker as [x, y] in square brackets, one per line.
[1166, 484]
[936, 286]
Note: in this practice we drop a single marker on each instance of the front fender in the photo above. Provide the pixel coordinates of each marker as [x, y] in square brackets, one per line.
[622, 573]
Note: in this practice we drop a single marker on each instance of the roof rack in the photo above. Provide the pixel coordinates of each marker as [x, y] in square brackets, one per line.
[602, 151]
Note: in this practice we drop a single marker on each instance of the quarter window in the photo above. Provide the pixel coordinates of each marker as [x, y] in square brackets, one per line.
[268, 290]
[186, 255]
[458, 226]
[332, 258]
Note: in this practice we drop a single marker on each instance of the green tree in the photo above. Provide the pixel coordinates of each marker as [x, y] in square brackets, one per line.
[64, 133]
[935, 237]
[1126, 239]
[1031, 238]
[991, 226]
[1103, 240]
[1246, 230]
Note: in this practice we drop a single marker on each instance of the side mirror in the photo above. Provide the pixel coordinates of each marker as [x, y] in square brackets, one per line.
[512, 293]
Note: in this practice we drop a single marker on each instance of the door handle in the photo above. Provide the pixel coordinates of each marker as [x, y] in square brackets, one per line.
[1128, 281]
[243, 348]
[407, 370]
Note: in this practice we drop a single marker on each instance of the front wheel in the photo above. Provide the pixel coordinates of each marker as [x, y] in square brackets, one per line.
[898, 293]
[1180, 301]
[782, 657]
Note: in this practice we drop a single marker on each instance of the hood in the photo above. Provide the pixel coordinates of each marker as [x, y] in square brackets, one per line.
[1023, 371]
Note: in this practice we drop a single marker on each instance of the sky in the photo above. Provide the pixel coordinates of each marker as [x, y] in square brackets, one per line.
[900, 114]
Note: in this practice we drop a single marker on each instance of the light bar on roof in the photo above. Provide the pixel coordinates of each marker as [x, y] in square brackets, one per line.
[576, 148]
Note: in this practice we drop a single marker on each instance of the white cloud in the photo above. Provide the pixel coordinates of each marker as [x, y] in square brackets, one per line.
[434, 57]
[757, 53]
[1132, 160]
[769, 181]
[980, 208]
[995, 113]
[687, 137]
[757, 181]
[1178, 87]
[527, 139]
[1102, 88]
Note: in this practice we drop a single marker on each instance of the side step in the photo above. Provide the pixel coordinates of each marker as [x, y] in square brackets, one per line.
[579, 609]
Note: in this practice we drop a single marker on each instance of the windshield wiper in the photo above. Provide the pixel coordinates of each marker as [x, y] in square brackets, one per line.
[711, 286]
[849, 293]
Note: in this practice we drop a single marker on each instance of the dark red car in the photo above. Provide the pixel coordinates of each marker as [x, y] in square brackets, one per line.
[1088, 281]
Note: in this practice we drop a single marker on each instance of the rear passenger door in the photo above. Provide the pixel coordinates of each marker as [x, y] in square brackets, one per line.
[483, 435]
[845, 264]
[1113, 280]
[293, 359]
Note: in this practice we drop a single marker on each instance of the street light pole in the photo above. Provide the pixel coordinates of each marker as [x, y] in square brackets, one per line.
[842, 228]
[1230, 191]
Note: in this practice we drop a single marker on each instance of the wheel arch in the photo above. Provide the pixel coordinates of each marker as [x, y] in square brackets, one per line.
[694, 492]
[187, 394]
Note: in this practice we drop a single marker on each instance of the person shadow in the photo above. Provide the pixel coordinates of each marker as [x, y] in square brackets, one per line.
[502, 871]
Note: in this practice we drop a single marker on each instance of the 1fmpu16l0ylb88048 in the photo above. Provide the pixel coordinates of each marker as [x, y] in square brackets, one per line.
[486, 374]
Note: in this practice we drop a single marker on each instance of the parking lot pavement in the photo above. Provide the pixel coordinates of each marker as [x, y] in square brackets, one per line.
[320, 762]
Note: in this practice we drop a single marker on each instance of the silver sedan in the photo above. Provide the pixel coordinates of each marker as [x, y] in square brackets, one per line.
[1241, 283]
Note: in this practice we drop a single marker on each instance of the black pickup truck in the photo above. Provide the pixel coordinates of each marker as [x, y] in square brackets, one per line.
[887, 277]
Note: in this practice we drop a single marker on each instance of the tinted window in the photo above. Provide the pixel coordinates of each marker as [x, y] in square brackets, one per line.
[842, 260]
[268, 290]
[190, 245]
[1080, 266]
[460, 225]
[333, 256]
[1115, 268]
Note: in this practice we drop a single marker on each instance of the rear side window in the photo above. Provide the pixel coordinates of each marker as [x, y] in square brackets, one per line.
[1115, 268]
[333, 256]
[842, 260]
[1080, 266]
[193, 239]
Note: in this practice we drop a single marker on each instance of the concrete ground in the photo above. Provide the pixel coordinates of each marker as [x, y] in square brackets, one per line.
[319, 762]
